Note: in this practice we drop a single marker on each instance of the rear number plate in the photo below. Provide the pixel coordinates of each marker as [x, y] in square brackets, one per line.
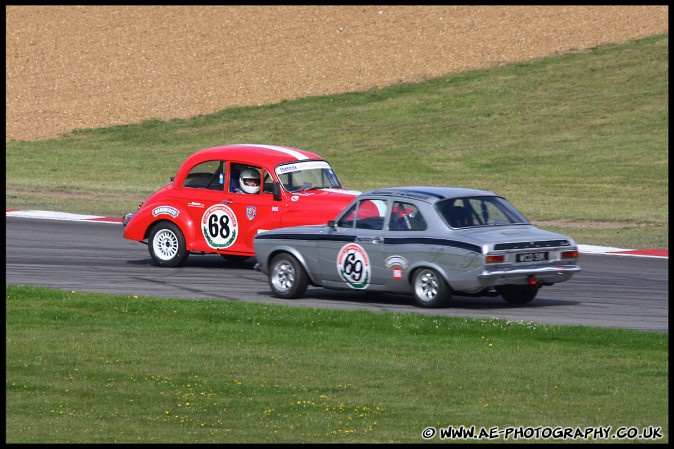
[532, 257]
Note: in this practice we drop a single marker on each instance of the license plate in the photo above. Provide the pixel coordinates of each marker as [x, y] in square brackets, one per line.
[532, 257]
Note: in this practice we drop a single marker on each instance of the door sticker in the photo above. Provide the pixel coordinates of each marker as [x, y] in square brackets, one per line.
[398, 264]
[219, 226]
[251, 212]
[353, 266]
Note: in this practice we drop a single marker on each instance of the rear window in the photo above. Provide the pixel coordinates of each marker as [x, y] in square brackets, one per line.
[479, 211]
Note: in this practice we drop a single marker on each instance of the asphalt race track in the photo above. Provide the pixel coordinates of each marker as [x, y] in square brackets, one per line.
[611, 291]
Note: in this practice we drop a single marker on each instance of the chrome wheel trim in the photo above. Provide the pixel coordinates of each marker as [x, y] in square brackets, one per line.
[283, 277]
[165, 244]
[426, 287]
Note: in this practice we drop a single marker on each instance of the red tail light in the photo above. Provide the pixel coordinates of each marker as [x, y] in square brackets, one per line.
[569, 254]
[495, 259]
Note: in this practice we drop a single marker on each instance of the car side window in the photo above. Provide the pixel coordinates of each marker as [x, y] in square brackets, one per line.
[244, 178]
[406, 217]
[268, 183]
[365, 214]
[207, 175]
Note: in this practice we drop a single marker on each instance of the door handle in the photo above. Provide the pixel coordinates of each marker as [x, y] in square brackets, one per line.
[227, 202]
[374, 240]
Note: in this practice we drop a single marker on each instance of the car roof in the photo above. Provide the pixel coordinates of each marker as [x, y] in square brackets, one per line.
[428, 193]
[270, 154]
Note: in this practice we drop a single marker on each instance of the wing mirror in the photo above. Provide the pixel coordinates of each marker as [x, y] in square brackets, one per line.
[276, 190]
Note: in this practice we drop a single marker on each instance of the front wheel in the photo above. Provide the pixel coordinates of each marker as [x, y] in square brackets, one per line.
[287, 277]
[166, 243]
[518, 294]
[430, 289]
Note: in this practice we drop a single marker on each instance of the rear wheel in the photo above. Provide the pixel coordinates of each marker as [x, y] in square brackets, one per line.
[287, 277]
[430, 289]
[166, 243]
[518, 294]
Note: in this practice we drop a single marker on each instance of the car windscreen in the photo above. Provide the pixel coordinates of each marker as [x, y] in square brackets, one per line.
[307, 175]
[468, 212]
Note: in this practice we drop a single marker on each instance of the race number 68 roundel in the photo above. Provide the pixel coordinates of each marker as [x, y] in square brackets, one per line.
[219, 226]
[353, 266]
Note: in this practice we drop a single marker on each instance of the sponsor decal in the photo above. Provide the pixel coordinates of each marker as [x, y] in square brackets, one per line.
[435, 254]
[398, 263]
[287, 168]
[251, 212]
[353, 266]
[294, 198]
[168, 210]
[219, 226]
[471, 260]
[308, 165]
[274, 208]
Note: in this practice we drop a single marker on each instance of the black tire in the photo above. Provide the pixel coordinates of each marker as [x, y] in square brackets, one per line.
[166, 243]
[430, 289]
[234, 259]
[518, 294]
[287, 278]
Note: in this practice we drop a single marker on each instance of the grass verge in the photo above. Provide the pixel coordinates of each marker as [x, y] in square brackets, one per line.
[91, 368]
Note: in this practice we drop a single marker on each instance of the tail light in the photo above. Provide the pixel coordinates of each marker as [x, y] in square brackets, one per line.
[569, 254]
[492, 258]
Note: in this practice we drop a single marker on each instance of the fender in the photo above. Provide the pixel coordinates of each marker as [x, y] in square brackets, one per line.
[300, 258]
[140, 224]
[433, 265]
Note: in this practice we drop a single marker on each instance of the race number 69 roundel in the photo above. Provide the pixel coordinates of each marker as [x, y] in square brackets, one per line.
[219, 226]
[353, 266]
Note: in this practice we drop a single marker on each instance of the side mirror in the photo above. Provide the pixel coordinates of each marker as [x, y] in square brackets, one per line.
[276, 190]
[331, 223]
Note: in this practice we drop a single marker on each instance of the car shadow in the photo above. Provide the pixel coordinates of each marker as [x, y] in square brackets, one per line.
[396, 299]
[353, 298]
[201, 261]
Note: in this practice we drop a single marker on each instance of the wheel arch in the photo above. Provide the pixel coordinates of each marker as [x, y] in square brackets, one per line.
[297, 255]
[426, 264]
[186, 226]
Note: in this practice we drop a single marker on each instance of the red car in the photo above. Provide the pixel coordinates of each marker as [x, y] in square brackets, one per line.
[222, 197]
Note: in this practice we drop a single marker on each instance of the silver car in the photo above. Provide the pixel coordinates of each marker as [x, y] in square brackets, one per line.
[430, 242]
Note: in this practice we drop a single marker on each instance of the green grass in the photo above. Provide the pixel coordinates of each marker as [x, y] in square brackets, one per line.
[91, 368]
[578, 138]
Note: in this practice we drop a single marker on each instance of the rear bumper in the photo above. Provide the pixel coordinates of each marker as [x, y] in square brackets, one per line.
[523, 275]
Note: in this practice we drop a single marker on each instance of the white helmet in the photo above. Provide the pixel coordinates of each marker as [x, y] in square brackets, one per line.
[250, 180]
